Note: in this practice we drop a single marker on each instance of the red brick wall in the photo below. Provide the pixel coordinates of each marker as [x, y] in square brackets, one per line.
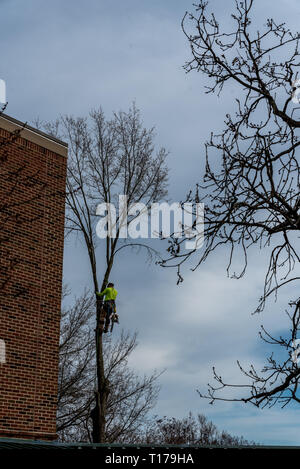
[32, 185]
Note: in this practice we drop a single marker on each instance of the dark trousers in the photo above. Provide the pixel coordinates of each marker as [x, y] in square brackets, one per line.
[109, 307]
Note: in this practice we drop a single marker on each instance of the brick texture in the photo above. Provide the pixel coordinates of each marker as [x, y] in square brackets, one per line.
[32, 200]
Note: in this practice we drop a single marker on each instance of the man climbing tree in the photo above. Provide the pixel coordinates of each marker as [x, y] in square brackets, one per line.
[109, 303]
[106, 158]
[131, 396]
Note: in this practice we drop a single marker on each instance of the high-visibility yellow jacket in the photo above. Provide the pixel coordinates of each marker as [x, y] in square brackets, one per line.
[110, 293]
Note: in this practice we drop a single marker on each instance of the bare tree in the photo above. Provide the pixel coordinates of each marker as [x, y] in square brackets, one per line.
[106, 158]
[76, 366]
[131, 396]
[251, 183]
[189, 430]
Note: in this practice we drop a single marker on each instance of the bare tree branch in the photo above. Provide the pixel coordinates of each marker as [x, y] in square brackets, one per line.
[251, 185]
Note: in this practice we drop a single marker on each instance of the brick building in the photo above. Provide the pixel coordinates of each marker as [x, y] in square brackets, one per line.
[32, 186]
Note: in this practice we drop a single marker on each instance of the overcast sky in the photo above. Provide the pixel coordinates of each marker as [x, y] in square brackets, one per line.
[65, 57]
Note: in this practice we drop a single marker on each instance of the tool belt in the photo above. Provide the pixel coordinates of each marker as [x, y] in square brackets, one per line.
[110, 304]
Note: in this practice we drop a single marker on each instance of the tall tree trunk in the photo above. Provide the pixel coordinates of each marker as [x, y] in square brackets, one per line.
[101, 395]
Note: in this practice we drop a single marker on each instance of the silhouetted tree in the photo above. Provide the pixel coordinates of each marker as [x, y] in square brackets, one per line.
[189, 430]
[131, 396]
[106, 158]
[251, 183]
